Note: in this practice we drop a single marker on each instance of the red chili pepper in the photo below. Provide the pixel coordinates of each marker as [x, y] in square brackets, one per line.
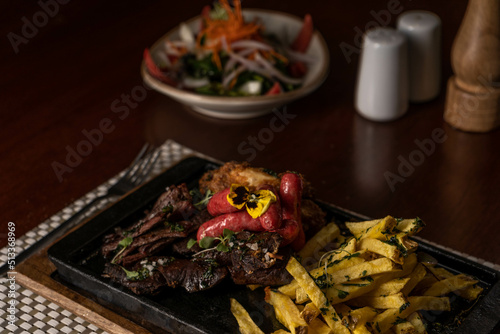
[272, 218]
[219, 204]
[235, 221]
[291, 196]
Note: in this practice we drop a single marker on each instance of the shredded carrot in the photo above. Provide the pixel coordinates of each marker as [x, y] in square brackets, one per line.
[232, 29]
[279, 56]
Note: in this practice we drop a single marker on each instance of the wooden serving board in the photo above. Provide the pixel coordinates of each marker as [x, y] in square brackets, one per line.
[36, 274]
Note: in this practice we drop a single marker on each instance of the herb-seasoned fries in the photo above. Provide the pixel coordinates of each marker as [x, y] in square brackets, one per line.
[245, 322]
[372, 284]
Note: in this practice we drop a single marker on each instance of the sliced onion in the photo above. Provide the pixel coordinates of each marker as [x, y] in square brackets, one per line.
[232, 75]
[250, 64]
[251, 44]
[275, 72]
[232, 61]
[186, 34]
[299, 56]
[163, 60]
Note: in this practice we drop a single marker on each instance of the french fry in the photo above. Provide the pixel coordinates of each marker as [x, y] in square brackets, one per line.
[314, 245]
[382, 248]
[317, 296]
[380, 230]
[417, 322]
[339, 293]
[368, 268]
[415, 277]
[245, 322]
[319, 327]
[389, 288]
[301, 296]
[357, 228]
[281, 331]
[410, 226]
[469, 293]
[358, 319]
[289, 289]
[381, 302]
[253, 286]
[410, 263]
[286, 311]
[342, 309]
[348, 260]
[450, 284]
[310, 312]
[385, 320]
[404, 327]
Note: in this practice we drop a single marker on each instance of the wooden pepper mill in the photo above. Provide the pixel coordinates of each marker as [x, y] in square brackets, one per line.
[473, 93]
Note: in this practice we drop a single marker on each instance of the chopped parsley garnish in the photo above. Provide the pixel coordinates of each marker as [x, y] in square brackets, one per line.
[404, 307]
[342, 294]
[174, 227]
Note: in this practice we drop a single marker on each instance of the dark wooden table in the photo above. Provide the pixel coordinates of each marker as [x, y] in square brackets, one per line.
[68, 66]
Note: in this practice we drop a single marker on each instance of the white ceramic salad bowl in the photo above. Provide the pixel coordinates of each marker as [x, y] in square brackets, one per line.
[285, 27]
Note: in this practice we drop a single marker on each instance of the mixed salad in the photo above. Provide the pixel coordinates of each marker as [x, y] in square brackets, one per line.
[229, 56]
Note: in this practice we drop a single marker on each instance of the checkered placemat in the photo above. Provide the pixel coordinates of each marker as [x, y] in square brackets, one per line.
[36, 314]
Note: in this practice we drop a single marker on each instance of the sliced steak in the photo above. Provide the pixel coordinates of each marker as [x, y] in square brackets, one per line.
[193, 275]
[151, 285]
[275, 275]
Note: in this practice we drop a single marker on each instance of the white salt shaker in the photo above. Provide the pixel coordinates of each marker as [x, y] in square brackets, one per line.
[382, 82]
[423, 32]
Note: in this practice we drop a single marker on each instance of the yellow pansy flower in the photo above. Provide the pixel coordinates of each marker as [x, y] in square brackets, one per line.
[256, 203]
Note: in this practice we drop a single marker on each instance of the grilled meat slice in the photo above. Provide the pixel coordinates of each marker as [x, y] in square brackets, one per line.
[274, 275]
[150, 285]
[251, 252]
[163, 235]
[193, 275]
[152, 275]
[174, 205]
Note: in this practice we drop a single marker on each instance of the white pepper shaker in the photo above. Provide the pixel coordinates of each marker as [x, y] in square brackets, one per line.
[382, 82]
[423, 33]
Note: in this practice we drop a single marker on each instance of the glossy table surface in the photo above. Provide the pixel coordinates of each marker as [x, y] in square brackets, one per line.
[71, 69]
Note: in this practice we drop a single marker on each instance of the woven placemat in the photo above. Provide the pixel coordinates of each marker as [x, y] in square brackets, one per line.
[35, 314]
